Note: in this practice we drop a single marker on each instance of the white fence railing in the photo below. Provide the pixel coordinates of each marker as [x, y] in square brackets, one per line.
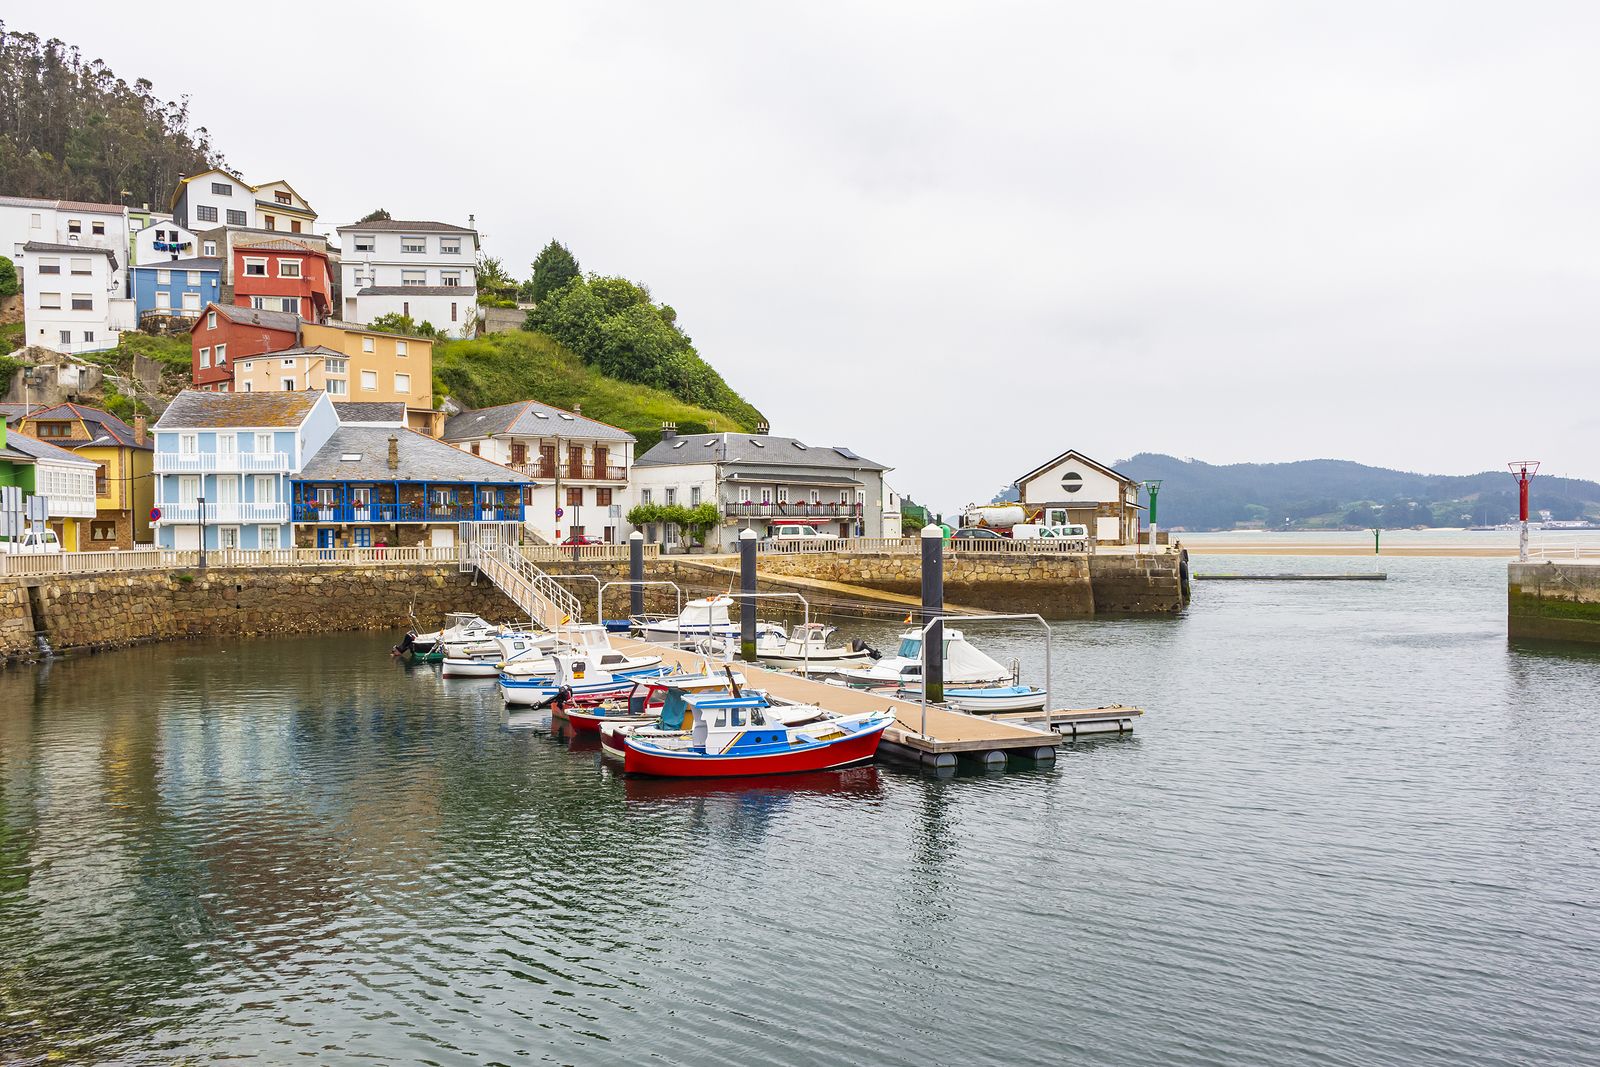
[1573, 551]
[148, 559]
[222, 463]
[913, 546]
[584, 553]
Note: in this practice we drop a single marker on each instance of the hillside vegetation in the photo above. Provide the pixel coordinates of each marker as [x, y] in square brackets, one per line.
[518, 365]
[70, 129]
[1326, 493]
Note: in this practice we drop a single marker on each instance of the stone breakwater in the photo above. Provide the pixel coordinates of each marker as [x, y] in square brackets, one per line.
[1054, 586]
[1554, 601]
[98, 611]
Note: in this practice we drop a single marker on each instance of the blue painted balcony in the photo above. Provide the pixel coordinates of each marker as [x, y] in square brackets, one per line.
[379, 512]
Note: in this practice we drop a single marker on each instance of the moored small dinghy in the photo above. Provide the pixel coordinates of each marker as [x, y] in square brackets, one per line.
[988, 701]
[482, 659]
[806, 648]
[576, 672]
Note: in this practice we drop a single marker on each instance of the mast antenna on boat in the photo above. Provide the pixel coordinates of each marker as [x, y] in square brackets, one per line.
[732, 683]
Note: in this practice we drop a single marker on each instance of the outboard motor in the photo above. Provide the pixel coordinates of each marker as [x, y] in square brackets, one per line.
[560, 698]
[858, 645]
[406, 643]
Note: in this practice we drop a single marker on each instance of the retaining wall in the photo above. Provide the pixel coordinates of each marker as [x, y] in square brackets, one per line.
[1554, 601]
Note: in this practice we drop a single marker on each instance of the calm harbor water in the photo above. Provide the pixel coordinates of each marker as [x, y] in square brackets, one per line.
[1354, 828]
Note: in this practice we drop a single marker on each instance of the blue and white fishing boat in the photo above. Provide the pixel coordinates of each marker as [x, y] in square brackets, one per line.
[988, 701]
[578, 674]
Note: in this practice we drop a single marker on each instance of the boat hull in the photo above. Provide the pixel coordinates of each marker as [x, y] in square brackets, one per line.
[470, 668]
[828, 755]
[983, 702]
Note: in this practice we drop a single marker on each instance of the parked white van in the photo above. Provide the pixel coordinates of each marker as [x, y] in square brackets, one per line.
[797, 534]
[33, 543]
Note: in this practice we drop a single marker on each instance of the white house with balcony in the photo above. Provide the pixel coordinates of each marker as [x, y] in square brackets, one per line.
[73, 297]
[425, 270]
[223, 462]
[63, 479]
[761, 482]
[215, 197]
[579, 466]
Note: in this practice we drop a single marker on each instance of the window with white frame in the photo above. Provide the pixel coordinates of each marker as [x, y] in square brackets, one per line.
[268, 537]
[288, 385]
[402, 383]
[255, 268]
[369, 381]
[48, 265]
[288, 268]
[188, 443]
[450, 277]
[249, 387]
[450, 246]
[366, 242]
[164, 300]
[193, 277]
[744, 494]
[74, 225]
[288, 363]
[81, 267]
[211, 320]
[336, 366]
[289, 303]
[209, 248]
[264, 443]
[82, 301]
[413, 277]
[191, 301]
[97, 228]
[259, 303]
[205, 357]
[816, 496]
[50, 301]
[414, 245]
[766, 495]
[221, 354]
[369, 344]
[672, 495]
[337, 387]
[401, 349]
[163, 277]
[694, 495]
[644, 496]
[783, 494]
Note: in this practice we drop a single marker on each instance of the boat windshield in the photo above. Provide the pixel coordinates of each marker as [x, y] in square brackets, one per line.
[910, 648]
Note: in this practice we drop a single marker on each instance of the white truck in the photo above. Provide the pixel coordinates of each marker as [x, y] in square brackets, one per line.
[32, 543]
[797, 535]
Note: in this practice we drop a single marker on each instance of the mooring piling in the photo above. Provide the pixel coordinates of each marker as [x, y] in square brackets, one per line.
[933, 608]
[747, 602]
[636, 574]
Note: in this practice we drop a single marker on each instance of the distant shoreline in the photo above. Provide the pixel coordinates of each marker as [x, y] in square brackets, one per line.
[1289, 548]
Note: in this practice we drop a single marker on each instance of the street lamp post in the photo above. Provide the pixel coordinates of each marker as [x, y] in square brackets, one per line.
[1153, 487]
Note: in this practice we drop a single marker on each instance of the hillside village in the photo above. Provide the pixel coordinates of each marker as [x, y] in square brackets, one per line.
[308, 415]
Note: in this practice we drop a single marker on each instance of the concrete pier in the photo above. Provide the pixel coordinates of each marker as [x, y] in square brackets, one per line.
[1554, 600]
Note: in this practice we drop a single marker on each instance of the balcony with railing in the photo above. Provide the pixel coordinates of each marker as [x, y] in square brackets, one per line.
[547, 471]
[799, 509]
[577, 472]
[70, 507]
[224, 513]
[222, 463]
[388, 512]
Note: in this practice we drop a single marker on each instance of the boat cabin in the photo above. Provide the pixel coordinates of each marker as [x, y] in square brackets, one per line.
[722, 722]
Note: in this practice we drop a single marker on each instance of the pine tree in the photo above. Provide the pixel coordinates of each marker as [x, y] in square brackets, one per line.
[554, 268]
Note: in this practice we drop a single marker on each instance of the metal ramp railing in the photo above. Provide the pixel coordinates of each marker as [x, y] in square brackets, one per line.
[540, 597]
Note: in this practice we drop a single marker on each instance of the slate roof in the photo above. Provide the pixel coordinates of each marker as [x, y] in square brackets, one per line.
[286, 321]
[298, 350]
[531, 418]
[278, 244]
[106, 428]
[422, 459]
[35, 449]
[13, 412]
[193, 408]
[733, 448]
[89, 205]
[42, 246]
[193, 263]
[356, 411]
[407, 226]
[466, 292]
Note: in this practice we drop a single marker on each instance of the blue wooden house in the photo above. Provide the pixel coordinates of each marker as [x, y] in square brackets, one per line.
[177, 287]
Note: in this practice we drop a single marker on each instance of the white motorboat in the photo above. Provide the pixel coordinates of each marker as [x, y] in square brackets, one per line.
[806, 648]
[708, 617]
[589, 638]
[458, 626]
[578, 680]
[482, 659]
[964, 665]
[985, 701]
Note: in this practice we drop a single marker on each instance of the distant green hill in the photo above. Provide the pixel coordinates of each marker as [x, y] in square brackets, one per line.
[518, 365]
[1323, 493]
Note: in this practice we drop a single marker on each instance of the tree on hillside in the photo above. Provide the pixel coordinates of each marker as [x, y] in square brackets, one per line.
[71, 129]
[379, 215]
[495, 285]
[394, 322]
[8, 278]
[554, 268]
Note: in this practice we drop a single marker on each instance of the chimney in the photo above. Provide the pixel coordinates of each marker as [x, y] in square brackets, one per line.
[762, 428]
[669, 430]
[577, 409]
[139, 426]
[394, 452]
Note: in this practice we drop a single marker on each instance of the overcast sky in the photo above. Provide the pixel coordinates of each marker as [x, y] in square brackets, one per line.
[964, 238]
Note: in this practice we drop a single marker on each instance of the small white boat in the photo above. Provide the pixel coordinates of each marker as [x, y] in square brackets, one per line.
[482, 659]
[577, 680]
[807, 648]
[589, 638]
[964, 665]
[459, 626]
[988, 700]
[708, 617]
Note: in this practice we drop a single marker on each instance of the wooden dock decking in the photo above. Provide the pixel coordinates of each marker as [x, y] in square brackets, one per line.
[949, 733]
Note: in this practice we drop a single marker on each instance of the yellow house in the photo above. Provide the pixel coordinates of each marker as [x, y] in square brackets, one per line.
[350, 364]
[124, 483]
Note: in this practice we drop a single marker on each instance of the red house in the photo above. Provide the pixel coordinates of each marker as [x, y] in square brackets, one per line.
[223, 334]
[283, 275]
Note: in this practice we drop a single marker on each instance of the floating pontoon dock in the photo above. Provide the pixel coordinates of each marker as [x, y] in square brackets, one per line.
[1079, 722]
[1358, 576]
[990, 739]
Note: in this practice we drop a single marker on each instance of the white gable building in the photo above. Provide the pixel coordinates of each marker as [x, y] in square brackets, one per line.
[1072, 488]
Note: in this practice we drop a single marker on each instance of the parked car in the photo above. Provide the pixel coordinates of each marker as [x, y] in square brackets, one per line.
[1074, 531]
[580, 539]
[33, 543]
[976, 533]
[790, 535]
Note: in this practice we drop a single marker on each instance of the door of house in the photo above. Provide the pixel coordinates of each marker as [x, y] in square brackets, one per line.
[361, 502]
[602, 457]
[227, 493]
[325, 540]
[227, 537]
[363, 536]
[186, 537]
[188, 489]
[547, 461]
[574, 461]
[442, 537]
[519, 454]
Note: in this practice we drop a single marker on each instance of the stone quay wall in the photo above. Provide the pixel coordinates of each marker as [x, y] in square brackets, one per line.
[1554, 600]
[1055, 586]
[98, 611]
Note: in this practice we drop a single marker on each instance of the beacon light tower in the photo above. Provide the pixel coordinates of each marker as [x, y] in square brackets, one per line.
[1523, 470]
[1152, 488]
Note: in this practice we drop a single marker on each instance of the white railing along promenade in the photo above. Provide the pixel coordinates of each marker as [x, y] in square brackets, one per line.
[584, 553]
[913, 546]
[1563, 551]
[171, 559]
[222, 463]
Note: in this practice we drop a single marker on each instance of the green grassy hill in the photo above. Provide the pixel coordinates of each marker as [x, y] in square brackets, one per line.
[518, 365]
